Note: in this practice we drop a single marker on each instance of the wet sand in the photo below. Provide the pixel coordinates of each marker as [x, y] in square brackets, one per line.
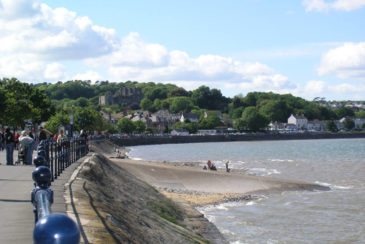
[196, 186]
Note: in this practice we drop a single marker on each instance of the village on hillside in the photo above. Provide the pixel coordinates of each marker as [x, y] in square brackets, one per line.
[162, 121]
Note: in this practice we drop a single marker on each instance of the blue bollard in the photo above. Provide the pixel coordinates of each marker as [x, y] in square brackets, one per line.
[40, 160]
[56, 229]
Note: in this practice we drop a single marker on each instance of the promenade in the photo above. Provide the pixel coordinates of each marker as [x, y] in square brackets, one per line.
[16, 210]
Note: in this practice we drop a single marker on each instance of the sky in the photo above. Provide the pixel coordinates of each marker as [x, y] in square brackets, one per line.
[309, 48]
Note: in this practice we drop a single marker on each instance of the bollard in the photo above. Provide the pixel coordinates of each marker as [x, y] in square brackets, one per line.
[42, 195]
[56, 229]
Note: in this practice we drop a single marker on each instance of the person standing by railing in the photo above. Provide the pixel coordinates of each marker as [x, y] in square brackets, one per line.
[43, 134]
[9, 145]
[26, 147]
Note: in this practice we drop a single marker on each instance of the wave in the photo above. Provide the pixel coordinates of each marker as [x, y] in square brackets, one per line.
[334, 186]
[262, 171]
[281, 160]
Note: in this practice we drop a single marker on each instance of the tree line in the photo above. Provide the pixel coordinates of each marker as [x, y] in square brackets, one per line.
[78, 102]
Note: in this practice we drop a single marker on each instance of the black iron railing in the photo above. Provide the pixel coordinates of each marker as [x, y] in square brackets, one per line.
[51, 160]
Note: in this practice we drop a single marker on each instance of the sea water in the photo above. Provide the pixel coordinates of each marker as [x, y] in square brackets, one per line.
[335, 216]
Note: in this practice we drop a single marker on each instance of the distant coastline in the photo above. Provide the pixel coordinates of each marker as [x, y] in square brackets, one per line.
[151, 140]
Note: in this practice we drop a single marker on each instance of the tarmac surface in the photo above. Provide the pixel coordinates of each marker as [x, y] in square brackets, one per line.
[16, 210]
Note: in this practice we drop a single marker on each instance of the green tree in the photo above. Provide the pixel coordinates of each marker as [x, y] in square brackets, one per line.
[349, 124]
[344, 112]
[211, 122]
[146, 104]
[88, 119]
[331, 126]
[57, 120]
[360, 114]
[180, 104]
[22, 101]
[139, 126]
[275, 110]
[82, 102]
[253, 119]
[211, 99]
[239, 124]
[125, 126]
[192, 127]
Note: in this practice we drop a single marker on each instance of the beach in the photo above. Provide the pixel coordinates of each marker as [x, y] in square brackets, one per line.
[155, 202]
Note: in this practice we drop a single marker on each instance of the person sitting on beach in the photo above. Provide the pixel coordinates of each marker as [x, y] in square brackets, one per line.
[211, 166]
[209, 163]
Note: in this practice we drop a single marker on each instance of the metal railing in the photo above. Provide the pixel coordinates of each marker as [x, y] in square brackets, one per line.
[51, 160]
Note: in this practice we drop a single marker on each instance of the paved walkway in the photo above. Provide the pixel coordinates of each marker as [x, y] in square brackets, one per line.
[16, 210]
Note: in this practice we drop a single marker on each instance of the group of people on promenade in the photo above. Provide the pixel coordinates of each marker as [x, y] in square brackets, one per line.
[25, 143]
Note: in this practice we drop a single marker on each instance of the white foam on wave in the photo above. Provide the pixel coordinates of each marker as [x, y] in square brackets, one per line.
[334, 186]
[250, 203]
[262, 171]
[281, 160]
[139, 159]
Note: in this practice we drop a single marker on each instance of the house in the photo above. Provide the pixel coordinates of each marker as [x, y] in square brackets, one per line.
[275, 126]
[316, 125]
[299, 121]
[359, 123]
[189, 117]
[179, 132]
[207, 132]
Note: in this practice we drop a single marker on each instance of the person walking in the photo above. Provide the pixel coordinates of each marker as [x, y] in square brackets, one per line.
[9, 145]
[26, 144]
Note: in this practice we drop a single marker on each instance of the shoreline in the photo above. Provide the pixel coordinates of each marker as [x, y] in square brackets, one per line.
[188, 183]
[145, 200]
[152, 140]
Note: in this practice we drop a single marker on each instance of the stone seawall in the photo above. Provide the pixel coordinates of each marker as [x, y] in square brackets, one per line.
[149, 140]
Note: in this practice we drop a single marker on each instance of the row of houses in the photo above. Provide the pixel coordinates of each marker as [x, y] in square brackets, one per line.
[162, 120]
[301, 123]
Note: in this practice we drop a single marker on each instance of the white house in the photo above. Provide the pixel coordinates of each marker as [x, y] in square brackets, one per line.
[179, 132]
[359, 123]
[189, 117]
[316, 125]
[299, 121]
[275, 126]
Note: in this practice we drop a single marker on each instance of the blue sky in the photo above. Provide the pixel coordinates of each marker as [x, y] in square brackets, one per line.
[309, 48]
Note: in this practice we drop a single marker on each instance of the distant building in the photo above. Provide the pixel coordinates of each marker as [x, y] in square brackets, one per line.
[207, 132]
[124, 96]
[299, 121]
[179, 132]
[316, 125]
[189, 117]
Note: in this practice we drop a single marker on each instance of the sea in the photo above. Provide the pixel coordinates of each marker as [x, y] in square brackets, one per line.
[334, 216]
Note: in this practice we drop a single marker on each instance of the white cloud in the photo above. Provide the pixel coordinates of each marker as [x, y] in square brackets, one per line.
[32, 35]
[54, 72]
[339, 5]
[345, 61]
[341, 91]
[89, 75]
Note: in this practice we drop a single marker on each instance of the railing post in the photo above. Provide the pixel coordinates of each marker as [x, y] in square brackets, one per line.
[50, 228]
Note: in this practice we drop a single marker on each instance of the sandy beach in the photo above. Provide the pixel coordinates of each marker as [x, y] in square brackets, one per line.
[191, 184]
